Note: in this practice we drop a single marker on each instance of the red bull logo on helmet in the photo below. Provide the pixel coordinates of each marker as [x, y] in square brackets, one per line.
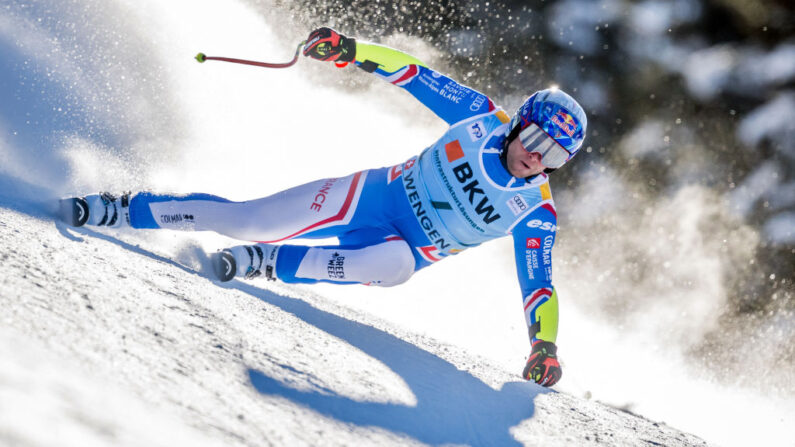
[565, 122]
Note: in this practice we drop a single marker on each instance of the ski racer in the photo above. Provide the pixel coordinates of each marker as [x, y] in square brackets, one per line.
[486, 177]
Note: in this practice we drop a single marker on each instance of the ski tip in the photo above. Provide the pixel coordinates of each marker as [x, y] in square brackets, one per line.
[201, 57]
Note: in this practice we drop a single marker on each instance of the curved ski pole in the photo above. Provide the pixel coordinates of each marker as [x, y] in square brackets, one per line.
[201, 57]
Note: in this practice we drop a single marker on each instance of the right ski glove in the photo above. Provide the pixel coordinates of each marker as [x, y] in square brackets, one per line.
[325, 44]
[542, 366]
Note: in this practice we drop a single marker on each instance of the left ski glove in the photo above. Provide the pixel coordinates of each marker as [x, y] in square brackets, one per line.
[325, 44]
[542, 366]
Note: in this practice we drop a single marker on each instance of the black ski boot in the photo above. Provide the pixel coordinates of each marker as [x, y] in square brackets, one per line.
[103, 209]
[224, 265]
[73, 211]
[246, 261]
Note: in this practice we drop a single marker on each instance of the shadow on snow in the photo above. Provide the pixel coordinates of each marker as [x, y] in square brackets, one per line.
[453, 406]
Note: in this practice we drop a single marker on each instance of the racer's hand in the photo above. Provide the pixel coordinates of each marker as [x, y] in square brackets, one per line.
[325, 44]
[542, 366]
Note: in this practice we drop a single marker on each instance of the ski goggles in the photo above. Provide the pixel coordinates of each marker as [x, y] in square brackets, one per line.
[534, 139]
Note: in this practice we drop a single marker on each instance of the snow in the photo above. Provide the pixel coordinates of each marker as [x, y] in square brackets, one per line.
[708, 71]
[646, 141]
[784, 196]
[651, 18]
[59, 401]
[773, 121]
[759, 68]
[781, 228]
[577, 27]
[120, 344]
[760, 183]
[125, 339]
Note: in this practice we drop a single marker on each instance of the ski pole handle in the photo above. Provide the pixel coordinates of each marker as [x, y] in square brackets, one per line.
[201, 57]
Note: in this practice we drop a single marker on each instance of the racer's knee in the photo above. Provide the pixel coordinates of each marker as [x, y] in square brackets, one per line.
[398, 264]
[385, 264]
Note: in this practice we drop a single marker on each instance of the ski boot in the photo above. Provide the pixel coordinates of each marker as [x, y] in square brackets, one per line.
[73, 211]
[245, 261]
[103, 209]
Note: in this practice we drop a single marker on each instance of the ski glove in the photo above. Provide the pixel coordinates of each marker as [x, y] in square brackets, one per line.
[325, 44]
[542, 366]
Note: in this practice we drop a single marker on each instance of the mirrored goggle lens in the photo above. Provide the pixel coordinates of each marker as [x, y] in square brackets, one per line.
[534, 139]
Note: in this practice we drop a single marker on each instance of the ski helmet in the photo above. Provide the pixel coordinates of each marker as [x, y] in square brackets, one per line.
[551, 123]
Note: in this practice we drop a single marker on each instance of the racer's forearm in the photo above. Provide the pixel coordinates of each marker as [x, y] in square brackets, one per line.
[447, 98]
[541, 314]
[370, 56]
[533, 239]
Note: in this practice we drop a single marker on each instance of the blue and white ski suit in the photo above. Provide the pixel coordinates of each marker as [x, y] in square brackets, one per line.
[394, 221]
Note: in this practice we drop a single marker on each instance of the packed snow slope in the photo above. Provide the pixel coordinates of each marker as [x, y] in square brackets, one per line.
[105, 342]
[114, 336]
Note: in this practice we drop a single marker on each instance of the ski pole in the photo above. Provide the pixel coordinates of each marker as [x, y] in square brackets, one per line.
[201, 57]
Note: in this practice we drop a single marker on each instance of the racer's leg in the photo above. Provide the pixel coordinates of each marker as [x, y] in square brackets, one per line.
[387, 261]
[358, 209]
[322, 208]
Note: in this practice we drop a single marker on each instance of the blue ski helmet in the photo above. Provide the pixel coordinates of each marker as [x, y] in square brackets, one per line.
[551, 123]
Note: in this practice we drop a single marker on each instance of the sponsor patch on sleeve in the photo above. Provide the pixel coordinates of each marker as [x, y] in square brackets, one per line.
[533, 243]
[546, 226]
